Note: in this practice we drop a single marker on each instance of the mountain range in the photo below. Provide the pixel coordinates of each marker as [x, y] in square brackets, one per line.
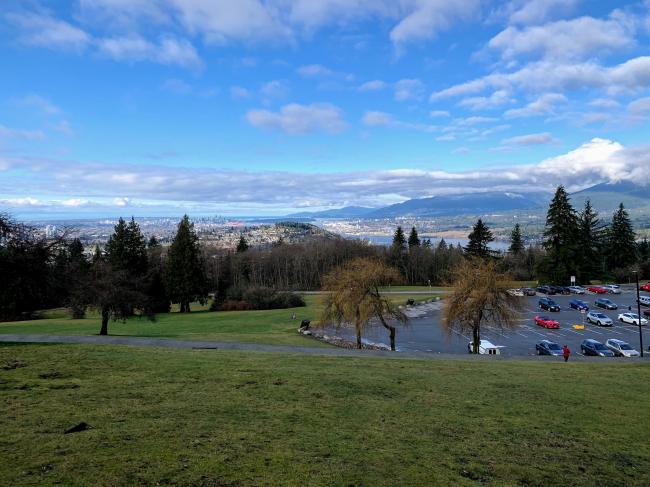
[604, 197]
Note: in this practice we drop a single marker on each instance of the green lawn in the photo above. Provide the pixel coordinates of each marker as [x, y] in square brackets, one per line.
[218, 418]
[273, 327]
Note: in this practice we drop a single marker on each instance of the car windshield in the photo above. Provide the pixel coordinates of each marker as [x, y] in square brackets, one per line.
[625, 346]
[600, 315]
[554, 346]
[599, 346]
[634, 316]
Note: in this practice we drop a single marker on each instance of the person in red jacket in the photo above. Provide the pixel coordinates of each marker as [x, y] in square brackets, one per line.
[565, 353]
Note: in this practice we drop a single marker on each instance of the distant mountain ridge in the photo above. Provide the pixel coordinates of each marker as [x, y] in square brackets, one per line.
[604, 196]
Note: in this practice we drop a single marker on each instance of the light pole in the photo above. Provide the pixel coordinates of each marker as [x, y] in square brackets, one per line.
[638, 310]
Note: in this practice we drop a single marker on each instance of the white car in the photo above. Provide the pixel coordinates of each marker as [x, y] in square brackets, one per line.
[632, 319]
[621, 348]
[577, 289]
[612, 288]
[515, 292]
[486, 348]
[599, 318]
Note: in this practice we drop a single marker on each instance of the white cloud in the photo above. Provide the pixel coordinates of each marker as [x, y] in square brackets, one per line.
[377, 119]
[539, 11]
[629, 76]
[10, 133]
[314, 70]
[135, 48]
[465, 122]
[544, 105]
[529, 139]
[438, 113]
[409, 89]
[121, 201]
[640, 106]
[296, 119]
[44, 31]
[374, 85]
[498, 98]
[604, 103]
[274, 89]
[565, 39]
[41, 104]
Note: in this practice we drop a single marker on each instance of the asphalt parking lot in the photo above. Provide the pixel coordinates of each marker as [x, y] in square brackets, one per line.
[427, 335]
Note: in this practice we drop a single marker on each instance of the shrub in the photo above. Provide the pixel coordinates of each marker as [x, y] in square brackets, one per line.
[257, 298]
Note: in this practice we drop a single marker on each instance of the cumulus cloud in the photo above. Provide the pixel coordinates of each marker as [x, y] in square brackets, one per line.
[496, 99]
[296, 119]
[596, 161]
[135, 48]
[409, 89]
[565, 39]
[544, 105]
[629, 76]
[45, 31]
[374, 85]
[11, 133]
[529, 139]
[640, 106]
[438, 113]
[539, 11]
[377, 119]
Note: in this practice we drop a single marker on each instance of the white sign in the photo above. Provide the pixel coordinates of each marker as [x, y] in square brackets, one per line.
[573, 280]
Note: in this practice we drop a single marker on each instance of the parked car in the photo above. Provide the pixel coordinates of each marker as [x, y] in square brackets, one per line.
[529, 291]
[644, 300]
[645, 287]
[605, 304]
[547, 347]
[548, 304]
[632, 318]
[561, 290]
[612, 288]
[577, 289]
[515, 292]
[485, 348]
[621, 348]
[546, 322]
[579, 305]
[599, 319]
[548, 290]
[594, 347]
[597, 289]
[647, 313]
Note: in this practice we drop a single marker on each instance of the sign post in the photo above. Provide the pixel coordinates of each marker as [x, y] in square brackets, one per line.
[573, 280]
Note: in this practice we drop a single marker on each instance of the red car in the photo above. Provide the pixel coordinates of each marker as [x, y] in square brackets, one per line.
[546, 322]
[647, 313]
[645, 287]
[597, 290]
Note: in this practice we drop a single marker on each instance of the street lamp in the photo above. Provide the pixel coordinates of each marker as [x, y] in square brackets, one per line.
[638, 309]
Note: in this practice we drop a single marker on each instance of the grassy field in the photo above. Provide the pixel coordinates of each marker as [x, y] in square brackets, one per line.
[273, 327]
[217, 418]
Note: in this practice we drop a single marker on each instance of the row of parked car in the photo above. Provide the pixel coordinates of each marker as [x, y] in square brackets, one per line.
[611, 348]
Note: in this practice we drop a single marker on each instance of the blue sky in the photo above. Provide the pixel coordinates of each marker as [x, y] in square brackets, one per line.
[152, 107]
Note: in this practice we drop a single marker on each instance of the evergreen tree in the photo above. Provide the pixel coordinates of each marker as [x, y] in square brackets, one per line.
[621, 241]
[426, 243]
[186, 279]
[242, 246]
[414, 240]
[643, 249]
[398, 250]
[516, 241]
[560, 239]
[126, 249]
[590, 243]
[479, 239]
[153, 243]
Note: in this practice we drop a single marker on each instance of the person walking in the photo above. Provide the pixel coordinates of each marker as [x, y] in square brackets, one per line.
[565, 353]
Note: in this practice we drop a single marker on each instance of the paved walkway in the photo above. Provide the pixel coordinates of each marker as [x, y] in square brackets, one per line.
[258, 347]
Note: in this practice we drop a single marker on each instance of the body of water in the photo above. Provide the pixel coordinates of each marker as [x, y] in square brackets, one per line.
[388, 239]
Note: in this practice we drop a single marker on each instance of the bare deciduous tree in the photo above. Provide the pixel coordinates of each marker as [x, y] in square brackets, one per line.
[353, 296]
[479, 297]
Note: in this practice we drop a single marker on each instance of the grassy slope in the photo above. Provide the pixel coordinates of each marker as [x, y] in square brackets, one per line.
[274, 326]
[229, 418]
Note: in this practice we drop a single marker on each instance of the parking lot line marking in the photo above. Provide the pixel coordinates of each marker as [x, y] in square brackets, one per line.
[591, 330]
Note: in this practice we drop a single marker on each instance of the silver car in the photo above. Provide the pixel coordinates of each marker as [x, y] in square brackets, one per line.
[598, 318]
[632, 319]
[621, 348]
[577, 289]
[612, 288]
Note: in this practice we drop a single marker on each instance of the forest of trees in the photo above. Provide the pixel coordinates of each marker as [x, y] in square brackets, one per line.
[133, 276]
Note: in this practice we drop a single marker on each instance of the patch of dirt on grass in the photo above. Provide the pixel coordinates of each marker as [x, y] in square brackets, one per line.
[13, 364]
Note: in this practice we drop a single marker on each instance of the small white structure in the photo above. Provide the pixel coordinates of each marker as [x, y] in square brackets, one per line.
[486, 348]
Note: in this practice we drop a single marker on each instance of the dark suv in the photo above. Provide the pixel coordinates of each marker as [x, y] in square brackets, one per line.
[548, 304]
[594, 347]
[548, 290]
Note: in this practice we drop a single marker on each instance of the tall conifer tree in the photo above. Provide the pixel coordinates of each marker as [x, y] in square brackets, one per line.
[479, 239]
[516, 241]
[560, 239]
[590, 243]
[621, 241]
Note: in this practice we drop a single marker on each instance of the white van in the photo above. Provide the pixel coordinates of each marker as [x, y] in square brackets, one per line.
[486, 348]
[644, 300]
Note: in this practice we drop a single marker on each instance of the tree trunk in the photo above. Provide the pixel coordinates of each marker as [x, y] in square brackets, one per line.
[391, 330]
[476, 336]
[357, 326]
[185, 307]
[105, 316]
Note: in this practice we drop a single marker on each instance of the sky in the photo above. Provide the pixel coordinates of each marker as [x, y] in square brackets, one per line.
[265, 107]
